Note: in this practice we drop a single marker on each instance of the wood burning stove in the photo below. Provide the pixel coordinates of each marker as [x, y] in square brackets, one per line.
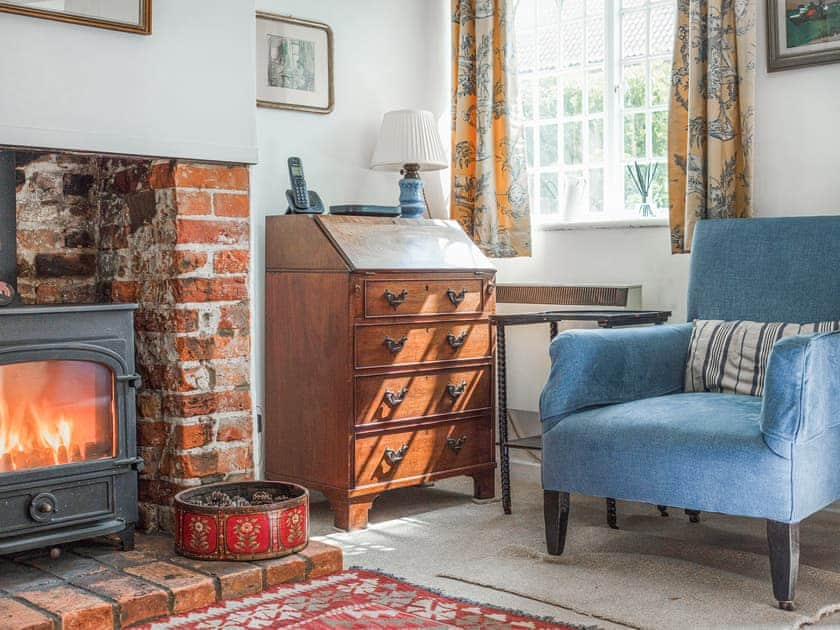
[68, 452]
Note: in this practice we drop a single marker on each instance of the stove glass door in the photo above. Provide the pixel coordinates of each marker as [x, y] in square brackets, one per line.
[56, 412]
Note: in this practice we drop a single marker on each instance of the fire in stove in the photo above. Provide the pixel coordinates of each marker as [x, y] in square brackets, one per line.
[55, 412]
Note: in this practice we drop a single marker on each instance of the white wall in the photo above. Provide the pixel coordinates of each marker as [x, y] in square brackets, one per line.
[389, 54]
[187, 90]
[797, 135]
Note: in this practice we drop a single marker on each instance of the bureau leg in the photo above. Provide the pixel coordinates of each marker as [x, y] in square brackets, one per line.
[484, 485]
[351, 514]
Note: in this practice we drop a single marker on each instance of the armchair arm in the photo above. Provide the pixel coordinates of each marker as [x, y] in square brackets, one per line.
[608, 366]
[801, 390]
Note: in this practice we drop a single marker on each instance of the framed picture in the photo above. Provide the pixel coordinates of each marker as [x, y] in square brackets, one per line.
[132, 16]
[294, 64]
[802, 33]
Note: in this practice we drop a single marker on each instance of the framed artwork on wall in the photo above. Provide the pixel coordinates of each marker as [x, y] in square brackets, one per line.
[802, 33]
[294, 64]
[132, 16]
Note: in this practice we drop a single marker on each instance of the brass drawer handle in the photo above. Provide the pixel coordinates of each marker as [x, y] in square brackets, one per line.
[455, 391]
[456, 297]
[395, 300]
[395, 457]
[457, 342]
[395, 346]
[456, 445]
[395, 398]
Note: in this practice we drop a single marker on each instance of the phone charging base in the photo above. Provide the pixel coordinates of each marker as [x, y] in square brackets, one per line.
[316, 206]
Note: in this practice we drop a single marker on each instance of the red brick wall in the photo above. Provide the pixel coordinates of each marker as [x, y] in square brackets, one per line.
[173, 237]
[57, 227]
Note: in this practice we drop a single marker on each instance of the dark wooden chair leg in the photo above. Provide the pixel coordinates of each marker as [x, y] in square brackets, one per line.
[693, 516]
[612, 514]
[783, 542]
[663, 510]
[556, 512]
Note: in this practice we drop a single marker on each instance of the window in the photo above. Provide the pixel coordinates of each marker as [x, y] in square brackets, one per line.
[594, 88]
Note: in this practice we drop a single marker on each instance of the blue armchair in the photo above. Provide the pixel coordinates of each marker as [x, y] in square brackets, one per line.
[616, 422]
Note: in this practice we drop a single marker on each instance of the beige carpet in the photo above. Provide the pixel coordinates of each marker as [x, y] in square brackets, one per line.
[653, 573]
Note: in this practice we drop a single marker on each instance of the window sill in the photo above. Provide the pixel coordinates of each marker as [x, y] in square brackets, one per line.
[603, 224]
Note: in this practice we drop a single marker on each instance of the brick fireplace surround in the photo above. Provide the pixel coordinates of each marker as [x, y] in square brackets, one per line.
[174, 237]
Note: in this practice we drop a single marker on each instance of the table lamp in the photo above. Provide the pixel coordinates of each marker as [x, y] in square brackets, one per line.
[409, 142]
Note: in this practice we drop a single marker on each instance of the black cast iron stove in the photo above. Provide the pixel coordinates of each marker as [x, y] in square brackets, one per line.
[68, 452]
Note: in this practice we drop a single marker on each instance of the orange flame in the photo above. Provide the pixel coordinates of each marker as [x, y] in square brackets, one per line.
[50, 414]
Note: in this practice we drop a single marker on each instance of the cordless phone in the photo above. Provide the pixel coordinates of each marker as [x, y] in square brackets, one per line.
[301, 199]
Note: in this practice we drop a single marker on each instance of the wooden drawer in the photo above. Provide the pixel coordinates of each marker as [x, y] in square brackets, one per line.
[395, 298]
[402, 344]
[402, 396]
[385, 457]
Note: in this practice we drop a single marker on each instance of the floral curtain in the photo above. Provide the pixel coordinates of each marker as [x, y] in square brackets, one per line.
[712, 112]
[489, 177]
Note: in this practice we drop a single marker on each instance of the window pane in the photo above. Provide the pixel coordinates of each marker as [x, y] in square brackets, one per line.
[634, 136]
[526, 17]
[572, 49]
[531, 192]
[573, 143]
[526, 99]
[662, 29]
[573, 95]
[596, 140]
[594, 7]
[634, 34]
[596, 92]
[634, 86]
[547, 48]
[548, 97]
[659, 190]
[596, 190]
[629, 4]
[549, 194]
[595, 48]
[660, 82]
[659, 133]
[526, 51]
[549, 12]
[571, 8]
[548, 145]
[632, 198]
[529, 145]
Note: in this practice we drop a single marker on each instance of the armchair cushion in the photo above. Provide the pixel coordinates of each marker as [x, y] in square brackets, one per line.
[698, 451]
[802, 395]
[597, 367]
[731, 357]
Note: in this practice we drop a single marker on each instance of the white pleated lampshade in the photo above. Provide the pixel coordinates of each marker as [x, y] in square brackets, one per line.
[408, 136]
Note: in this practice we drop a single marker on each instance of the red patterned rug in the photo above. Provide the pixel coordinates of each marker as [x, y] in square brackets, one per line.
[353, 599]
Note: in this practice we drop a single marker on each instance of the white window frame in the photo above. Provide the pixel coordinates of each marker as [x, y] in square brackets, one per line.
[614, 213]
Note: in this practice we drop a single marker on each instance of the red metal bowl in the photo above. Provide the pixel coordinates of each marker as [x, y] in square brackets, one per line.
[255, 532]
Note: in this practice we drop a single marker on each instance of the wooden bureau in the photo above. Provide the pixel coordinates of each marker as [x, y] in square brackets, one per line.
[379, 357]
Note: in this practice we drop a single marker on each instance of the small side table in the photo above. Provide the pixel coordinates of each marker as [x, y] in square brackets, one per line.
[605, 319]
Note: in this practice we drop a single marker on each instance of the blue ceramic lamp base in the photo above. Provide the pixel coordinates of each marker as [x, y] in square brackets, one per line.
[412, 200]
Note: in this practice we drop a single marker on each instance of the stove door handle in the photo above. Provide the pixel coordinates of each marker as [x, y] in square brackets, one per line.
[133, 380]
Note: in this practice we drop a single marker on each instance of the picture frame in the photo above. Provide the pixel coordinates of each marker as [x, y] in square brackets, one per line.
[802, 33]
[294, 64]
[130, 16]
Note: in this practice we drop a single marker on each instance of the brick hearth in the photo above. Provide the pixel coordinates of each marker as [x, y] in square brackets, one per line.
[94, 586]
[173, 237]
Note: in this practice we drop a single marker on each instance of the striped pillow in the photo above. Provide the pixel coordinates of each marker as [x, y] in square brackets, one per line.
[731, 357]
